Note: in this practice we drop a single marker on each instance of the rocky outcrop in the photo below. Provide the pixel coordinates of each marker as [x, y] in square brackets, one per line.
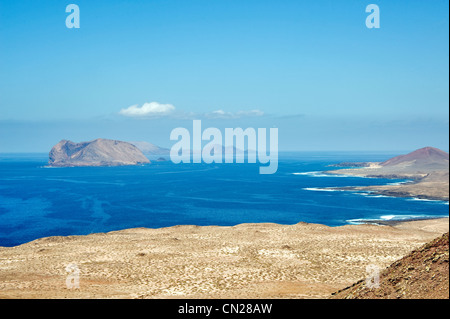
[99, 152]
[351, 164]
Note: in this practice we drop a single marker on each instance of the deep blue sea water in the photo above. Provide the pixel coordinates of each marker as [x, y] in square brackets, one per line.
[36, 201]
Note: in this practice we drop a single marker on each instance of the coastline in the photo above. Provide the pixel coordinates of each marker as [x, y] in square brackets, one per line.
[396, 222]
[256, 260]
[432, 185]
[242, 261]
[393, 191]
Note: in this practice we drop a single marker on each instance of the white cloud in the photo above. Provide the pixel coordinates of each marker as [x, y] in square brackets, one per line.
[148, 110]
[156, 110]
[221, 114]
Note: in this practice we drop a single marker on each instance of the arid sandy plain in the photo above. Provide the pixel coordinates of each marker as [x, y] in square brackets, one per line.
[243, 261]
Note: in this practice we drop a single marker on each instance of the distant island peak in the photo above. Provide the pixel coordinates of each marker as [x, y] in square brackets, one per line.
[98, 152]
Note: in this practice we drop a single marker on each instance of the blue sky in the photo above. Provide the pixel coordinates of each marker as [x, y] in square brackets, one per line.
[311, 68]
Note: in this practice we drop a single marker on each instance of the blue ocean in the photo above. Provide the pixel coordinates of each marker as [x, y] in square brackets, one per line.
[37, 201]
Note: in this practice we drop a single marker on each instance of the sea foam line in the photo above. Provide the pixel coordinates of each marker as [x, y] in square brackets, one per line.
[318, 189]
[380, 196]
[319, 174]
[358, 221]
[322, 174]
[428, 200]
[399, 183]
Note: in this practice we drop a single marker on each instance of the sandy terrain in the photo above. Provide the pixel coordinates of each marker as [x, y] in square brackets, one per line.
[244, 261]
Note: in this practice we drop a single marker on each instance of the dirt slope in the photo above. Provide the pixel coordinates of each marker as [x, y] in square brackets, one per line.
[422, 274]
[428, 157]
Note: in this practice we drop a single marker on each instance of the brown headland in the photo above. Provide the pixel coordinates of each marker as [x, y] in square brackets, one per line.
[426, 168]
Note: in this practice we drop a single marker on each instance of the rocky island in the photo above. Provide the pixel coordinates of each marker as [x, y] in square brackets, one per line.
[99, 152]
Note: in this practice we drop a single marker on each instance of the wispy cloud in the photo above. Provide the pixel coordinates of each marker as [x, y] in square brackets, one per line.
[152, 109]
[221, 114]
[156, 110]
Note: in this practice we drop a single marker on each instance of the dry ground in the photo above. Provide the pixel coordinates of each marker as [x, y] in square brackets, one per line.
[244, 261]
[421, 274]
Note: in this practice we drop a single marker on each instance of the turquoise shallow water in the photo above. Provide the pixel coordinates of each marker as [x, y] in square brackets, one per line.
[37, 202]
